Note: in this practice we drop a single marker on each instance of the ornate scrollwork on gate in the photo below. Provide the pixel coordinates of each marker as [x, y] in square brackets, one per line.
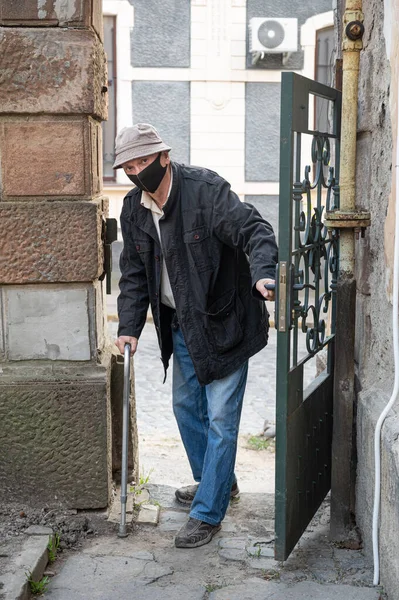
[315, 250]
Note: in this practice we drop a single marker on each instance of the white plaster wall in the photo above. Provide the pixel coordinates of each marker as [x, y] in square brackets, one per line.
[218, 128]
[218, 55]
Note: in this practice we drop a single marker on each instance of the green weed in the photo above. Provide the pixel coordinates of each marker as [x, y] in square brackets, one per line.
[256, 442]
[211, 587]
[143, 480]
[53, 547]
[37, 588]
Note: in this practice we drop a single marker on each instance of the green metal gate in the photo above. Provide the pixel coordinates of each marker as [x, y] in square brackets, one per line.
[305, 303]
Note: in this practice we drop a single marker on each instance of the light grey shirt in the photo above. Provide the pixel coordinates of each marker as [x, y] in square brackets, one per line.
[157, 213]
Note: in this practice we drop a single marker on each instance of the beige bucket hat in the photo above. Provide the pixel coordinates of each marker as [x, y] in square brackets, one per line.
[134, 142]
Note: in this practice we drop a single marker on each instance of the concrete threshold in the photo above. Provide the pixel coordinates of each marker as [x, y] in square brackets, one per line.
[24, 560]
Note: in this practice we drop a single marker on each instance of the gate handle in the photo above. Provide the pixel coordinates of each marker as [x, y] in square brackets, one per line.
[282, 311]
[296, 286]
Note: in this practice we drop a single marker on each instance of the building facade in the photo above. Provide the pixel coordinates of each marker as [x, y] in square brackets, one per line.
[187, 68]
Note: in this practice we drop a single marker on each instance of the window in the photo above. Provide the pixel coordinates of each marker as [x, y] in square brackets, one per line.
[324, 74]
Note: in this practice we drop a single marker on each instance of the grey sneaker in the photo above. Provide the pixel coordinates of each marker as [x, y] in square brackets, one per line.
[185, 495]
[195, 533]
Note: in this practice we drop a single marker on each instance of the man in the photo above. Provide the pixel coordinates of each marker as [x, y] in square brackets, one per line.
[201, 258]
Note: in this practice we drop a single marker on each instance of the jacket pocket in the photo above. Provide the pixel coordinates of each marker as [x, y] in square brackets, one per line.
[198, 245]
[224, 321]
[143, 248]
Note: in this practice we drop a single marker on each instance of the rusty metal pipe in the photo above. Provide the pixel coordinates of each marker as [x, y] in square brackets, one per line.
[343, 474]
[350, 84]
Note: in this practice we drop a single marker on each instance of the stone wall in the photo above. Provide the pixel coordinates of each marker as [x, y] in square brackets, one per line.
[55, 422]
[374, 266]
[53, 436]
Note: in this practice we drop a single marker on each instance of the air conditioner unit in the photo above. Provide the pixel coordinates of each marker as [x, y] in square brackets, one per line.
[273, 36]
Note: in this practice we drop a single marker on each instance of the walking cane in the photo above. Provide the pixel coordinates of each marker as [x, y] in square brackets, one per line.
[125, 437]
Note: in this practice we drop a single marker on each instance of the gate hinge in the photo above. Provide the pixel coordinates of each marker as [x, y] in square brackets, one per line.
[358, 221]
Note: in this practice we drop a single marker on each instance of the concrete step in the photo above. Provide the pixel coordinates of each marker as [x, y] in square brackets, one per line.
[23, 557]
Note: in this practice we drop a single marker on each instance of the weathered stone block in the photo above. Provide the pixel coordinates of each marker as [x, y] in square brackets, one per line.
[68, 13]
[149, 514]
[51, 157]
[44, 322]
[50, 242]
[52, 71]
[54, 436]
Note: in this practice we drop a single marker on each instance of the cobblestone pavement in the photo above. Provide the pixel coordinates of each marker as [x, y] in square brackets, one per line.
[237, 564]
[154, 398]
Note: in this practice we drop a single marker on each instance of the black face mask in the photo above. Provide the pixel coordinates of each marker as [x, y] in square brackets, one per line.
[149, 178]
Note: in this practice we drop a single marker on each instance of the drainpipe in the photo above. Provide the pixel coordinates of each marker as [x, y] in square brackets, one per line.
[350, 224]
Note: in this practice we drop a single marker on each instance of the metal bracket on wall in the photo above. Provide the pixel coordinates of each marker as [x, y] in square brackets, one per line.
[257, 56]
[110, 234]
[358, 221]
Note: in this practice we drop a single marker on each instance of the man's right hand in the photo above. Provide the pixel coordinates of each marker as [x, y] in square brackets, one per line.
[126, 339]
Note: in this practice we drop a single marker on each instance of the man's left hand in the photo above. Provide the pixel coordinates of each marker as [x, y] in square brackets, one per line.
[260, 286]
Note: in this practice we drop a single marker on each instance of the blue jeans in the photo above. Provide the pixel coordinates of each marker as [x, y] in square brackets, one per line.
[208, 418]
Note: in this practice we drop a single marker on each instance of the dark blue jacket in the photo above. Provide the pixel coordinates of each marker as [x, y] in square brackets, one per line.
[216, 248]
